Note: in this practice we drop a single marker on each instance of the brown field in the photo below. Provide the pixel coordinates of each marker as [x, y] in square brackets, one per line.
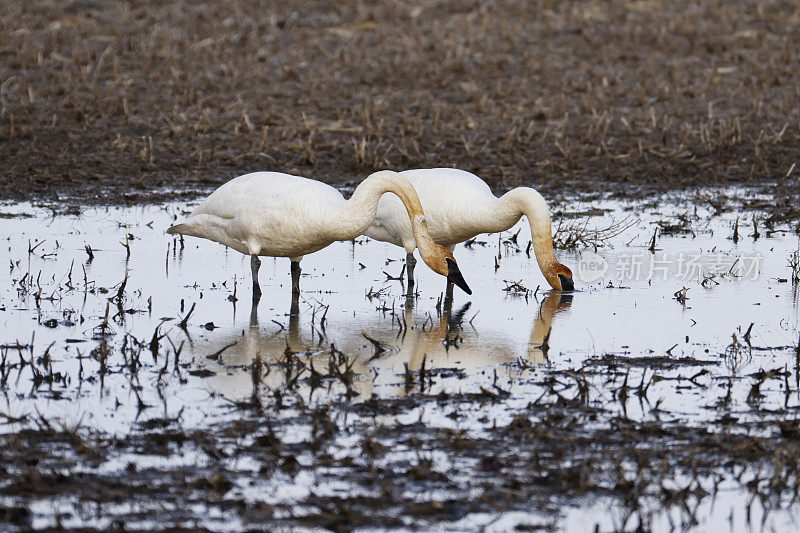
[133, 101]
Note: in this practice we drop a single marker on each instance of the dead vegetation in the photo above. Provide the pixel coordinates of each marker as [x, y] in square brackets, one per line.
[277, 436]
[794, 266]
[142, 100]
[575, 234]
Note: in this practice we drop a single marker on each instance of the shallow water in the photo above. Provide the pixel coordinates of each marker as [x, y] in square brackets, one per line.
[58, 302]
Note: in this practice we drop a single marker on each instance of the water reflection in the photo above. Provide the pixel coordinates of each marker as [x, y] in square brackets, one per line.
[382, 347]
[539, 345]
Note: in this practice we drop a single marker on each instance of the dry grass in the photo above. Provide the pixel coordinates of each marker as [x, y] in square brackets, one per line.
[125, 97]
[573, 234]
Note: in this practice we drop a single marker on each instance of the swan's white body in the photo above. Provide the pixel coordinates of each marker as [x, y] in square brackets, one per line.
[459, 205]
[270, 214]
[279, 215]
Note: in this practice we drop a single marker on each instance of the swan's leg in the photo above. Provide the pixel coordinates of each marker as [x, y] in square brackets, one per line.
[447, 305]
[255, 264]
[411, 262]
[295, 277]
[409, 300]
[448, 294]
[254, 314]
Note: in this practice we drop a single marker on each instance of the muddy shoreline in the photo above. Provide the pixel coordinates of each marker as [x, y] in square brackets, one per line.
[128, 103]
[553, 451]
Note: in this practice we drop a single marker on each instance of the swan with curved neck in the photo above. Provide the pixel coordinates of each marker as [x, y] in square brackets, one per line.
[458, 206]
[280, 215]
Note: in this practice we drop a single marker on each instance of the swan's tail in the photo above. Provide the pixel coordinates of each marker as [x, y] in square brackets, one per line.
[195, 225]
[210, 227]
[177, 228]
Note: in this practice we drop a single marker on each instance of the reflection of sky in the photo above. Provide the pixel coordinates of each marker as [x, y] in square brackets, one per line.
[637, 316]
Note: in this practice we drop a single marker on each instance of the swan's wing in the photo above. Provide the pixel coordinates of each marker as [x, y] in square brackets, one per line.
[261, 192]
[458, 204]
[268, 213]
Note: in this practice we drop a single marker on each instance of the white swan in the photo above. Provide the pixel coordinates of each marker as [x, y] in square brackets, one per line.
[458, 206]
[279, 215]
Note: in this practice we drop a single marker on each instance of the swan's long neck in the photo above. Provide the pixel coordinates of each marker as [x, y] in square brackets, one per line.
[528, 202]
[360, 209]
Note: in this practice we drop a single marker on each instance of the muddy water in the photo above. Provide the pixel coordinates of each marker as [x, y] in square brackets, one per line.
[62, 307]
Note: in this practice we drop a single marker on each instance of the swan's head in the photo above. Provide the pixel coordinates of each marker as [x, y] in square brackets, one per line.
[443, 262]
[559, 277]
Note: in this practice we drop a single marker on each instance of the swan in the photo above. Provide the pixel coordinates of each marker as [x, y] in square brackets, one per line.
[458, 206]
[280, 215]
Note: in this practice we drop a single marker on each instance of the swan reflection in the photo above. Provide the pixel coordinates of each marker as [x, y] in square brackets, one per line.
[382, 347]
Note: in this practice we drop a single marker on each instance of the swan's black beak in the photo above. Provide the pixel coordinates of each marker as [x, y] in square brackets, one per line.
[454, 275]
[567, 284]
